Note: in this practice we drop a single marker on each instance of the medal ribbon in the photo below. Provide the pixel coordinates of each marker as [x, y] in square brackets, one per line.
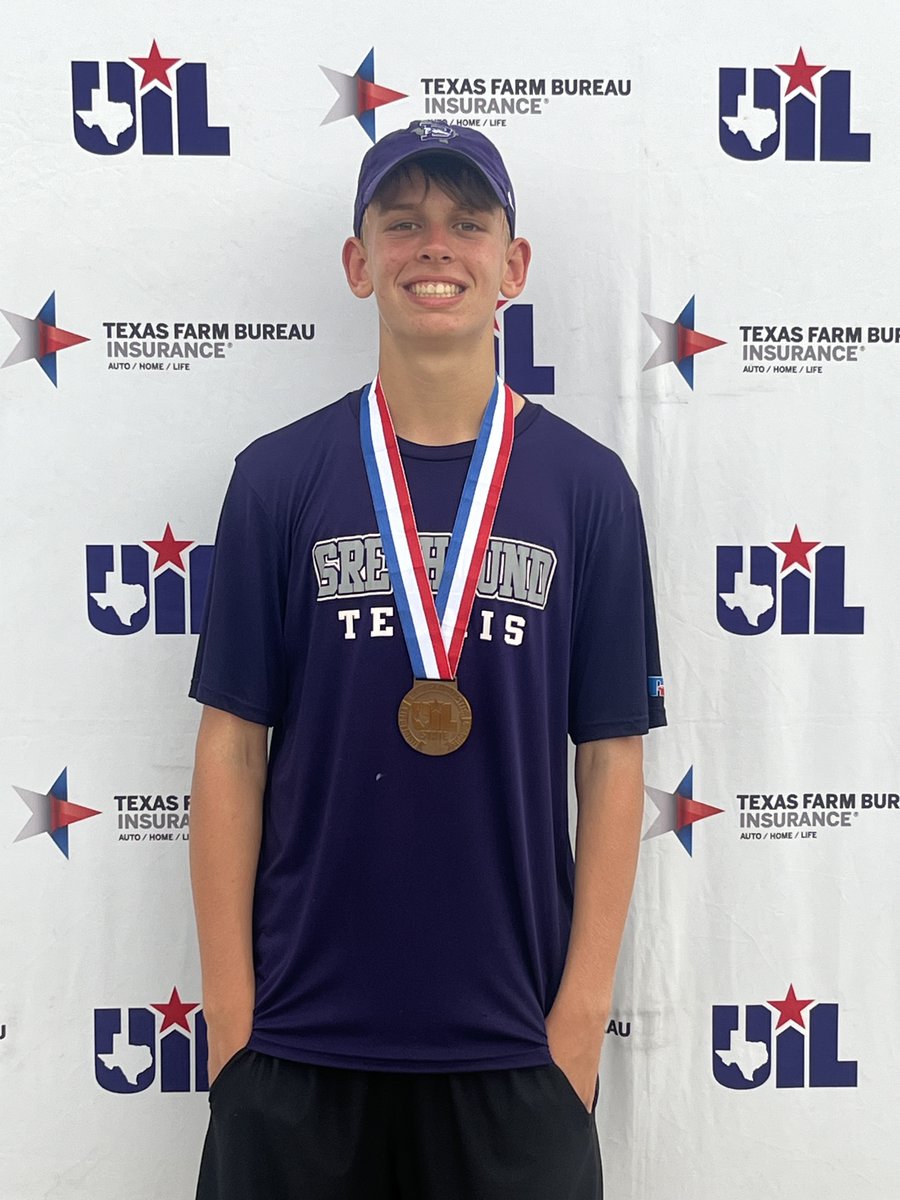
[435, 630]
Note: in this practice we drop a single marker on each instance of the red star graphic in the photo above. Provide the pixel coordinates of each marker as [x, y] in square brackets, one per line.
[372, 95]
[155, 67]
[790, 1008]
[53, 339]
[62, 813]
[175, 1012]
[500, 304]
[690, 811]
[168, 549]
[796, 551]
[801, 73]
[691, 342]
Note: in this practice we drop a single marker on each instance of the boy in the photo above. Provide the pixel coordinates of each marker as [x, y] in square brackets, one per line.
[422, 588]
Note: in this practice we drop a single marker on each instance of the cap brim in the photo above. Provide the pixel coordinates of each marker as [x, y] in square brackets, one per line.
[366, 197]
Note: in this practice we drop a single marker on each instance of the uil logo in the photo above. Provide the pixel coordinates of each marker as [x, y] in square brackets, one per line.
[119, 591]
[160, 1043]
[810, 118]
[514, 351]
[804, 1047]
[165, 102]
[808, 587]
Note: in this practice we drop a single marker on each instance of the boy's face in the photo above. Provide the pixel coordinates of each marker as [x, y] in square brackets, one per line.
[435, 267]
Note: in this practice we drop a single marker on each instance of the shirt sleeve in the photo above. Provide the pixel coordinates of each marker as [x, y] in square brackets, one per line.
[240, 665]
[616, 687]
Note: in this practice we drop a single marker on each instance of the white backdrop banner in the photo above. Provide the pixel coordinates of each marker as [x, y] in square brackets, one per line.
[711, 197]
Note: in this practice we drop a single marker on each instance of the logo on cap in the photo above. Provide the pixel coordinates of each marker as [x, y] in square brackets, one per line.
[440, 133]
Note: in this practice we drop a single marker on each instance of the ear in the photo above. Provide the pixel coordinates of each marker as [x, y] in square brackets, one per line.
[356, 268]
[518, 259]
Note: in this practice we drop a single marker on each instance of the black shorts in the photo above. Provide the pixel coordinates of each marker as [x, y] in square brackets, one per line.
[282, 1130]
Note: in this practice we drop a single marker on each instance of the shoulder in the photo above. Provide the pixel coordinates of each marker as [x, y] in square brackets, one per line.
[281, 466]
[300, 442]
[593, 472]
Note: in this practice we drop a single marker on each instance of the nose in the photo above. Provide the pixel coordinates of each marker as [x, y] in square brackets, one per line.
[435, 246]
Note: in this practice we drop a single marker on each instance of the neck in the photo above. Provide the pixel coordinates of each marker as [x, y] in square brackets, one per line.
[435, 398]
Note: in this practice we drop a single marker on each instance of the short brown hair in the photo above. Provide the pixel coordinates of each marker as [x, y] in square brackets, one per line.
[462, 182]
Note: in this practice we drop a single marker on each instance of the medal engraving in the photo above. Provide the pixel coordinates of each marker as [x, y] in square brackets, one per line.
[434, 716]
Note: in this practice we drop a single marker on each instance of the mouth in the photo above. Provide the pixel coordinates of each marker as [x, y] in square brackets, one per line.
[434, 289]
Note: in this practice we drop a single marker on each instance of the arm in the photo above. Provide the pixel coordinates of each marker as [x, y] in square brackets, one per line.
[609, 790]
[226, 825]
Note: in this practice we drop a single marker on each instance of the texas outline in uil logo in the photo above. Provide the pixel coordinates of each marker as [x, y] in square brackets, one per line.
[804, 1050]
[119, 595]
[808, 587]
[130, 1053]
[166, 101]
[811, 119]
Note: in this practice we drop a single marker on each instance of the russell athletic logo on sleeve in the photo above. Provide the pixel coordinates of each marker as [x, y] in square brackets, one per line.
[802, 1050]
[163, 1044]
[800, 108]
[797, 582]
[165, 578]
[157, 101]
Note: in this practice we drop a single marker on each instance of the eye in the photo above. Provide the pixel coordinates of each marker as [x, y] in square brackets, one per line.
[402, 226]
[469, 226]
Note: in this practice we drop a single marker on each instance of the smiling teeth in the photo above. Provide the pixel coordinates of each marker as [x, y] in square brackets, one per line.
[435, 289]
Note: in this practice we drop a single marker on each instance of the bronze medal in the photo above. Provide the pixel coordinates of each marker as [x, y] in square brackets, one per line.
[434, 716]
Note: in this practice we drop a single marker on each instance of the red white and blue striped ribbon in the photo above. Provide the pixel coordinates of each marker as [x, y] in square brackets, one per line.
[435, 630]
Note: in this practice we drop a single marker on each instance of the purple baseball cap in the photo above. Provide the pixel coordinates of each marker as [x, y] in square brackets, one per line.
[423, 137]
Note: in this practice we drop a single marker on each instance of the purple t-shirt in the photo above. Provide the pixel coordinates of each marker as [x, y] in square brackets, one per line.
[412, 912]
